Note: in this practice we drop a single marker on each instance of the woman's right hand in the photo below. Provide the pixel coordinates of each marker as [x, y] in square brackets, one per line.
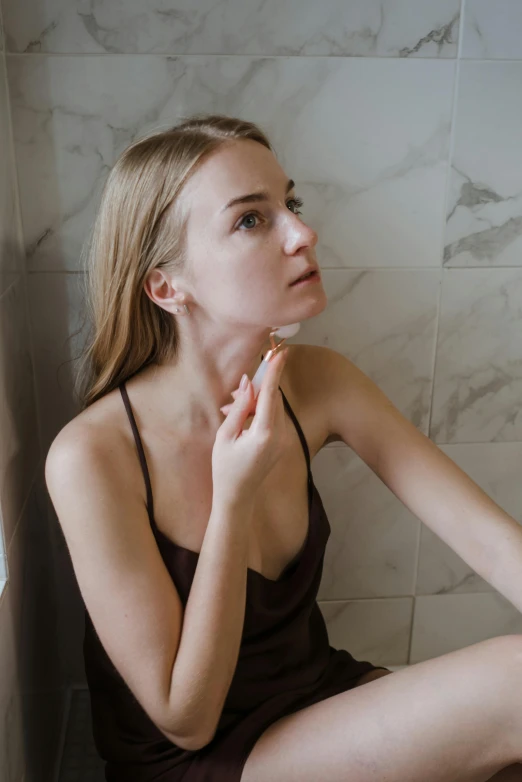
[241, 458]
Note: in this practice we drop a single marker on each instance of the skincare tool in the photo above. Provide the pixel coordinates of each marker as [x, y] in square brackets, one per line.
[283, 332]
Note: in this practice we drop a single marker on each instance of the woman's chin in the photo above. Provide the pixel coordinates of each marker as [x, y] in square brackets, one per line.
[316, 304]
[309, 307]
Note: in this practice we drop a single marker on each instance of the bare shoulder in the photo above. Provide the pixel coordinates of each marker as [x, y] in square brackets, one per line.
[95, 429]
[93, 443]
[356, 410]
[329, 386]
[307, 363]
[312, 377]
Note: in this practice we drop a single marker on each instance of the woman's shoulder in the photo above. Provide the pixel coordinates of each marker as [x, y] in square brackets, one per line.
[102, 431]
[305, 361]
[96, 434]
[308, 388]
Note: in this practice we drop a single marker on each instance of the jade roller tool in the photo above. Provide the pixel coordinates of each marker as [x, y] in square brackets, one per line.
[283, 332]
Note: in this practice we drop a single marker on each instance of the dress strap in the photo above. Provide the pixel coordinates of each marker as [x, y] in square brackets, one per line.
[141, 452]
[300, 433]
[143, 459]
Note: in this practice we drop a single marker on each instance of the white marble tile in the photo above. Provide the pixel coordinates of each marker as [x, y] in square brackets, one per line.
[478, 374]
[12, 763]
[395, 28]
[444, 623]
[57, 311]
[484, 226]
[384, 321]
[372, 547]
[495, 467]
[492, 30]
[19, 444]
[374, 630]
[376, 198]
[11, 256]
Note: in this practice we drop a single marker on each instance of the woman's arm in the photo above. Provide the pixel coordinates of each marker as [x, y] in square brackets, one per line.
[419, 473]
[178, 664]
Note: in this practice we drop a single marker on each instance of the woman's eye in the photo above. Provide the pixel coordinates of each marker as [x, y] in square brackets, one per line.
[250, 216]
[298, 202]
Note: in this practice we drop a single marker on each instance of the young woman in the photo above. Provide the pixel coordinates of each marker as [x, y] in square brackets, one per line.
[197, 534]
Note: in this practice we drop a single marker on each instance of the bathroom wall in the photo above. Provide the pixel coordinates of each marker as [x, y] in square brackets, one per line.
[31, 684]
[400, 122]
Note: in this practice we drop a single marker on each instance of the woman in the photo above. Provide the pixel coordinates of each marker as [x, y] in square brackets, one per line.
[197, 534]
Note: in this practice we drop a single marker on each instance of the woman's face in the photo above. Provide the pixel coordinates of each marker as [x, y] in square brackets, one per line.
[243, 256]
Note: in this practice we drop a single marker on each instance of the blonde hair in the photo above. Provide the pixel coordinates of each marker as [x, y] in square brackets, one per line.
[140, 226]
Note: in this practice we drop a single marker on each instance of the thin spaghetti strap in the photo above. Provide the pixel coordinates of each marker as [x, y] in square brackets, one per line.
[141, 452]
[299, 432]
[143, 460]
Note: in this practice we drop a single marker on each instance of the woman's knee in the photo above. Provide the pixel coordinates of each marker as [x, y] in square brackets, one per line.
[505, 658]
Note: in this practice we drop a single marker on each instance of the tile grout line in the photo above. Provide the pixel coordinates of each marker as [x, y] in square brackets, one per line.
[451, 148]
[259, 56]
[451, 142]
[245, 56]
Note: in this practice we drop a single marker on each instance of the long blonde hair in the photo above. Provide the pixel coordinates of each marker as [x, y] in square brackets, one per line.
[140, 226]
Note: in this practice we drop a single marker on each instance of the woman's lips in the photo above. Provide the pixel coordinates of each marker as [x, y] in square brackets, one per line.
[313, 277]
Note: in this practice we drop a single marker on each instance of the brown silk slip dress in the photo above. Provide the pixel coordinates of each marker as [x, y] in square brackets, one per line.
[285, 661]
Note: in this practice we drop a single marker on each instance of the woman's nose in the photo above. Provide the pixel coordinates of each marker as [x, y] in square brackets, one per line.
[299, 233]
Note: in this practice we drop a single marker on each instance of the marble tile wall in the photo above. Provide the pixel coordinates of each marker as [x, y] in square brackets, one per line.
[31, 682]
[400, 122]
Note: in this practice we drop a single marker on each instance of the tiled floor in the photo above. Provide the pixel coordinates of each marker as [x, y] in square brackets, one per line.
[80, 761]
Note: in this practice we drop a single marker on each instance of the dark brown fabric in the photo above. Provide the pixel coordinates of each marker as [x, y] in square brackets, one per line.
[285, 662]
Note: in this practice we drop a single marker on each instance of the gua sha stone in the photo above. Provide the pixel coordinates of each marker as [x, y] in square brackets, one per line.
[284, 333]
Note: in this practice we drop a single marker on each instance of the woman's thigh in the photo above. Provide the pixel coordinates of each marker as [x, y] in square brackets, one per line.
[512, 773]
[455, 718]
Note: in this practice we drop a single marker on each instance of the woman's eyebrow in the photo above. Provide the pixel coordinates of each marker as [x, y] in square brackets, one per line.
[251, 197]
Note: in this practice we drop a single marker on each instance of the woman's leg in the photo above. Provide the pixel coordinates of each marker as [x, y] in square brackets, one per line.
[455, 718]
[512, 773]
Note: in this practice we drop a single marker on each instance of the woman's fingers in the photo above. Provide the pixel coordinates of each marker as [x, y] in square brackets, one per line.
[269, 397]
[226, 408]
[239, 412]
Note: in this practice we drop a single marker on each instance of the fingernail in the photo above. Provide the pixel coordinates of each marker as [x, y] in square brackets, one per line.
[244, 382]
